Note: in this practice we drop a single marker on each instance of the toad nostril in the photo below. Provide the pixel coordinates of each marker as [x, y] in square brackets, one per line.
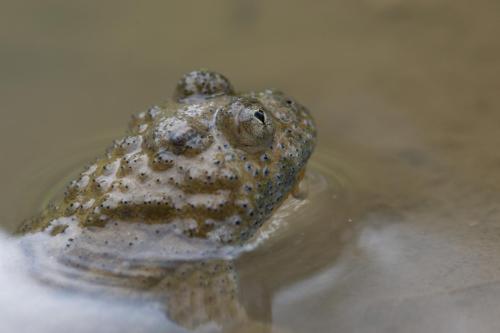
[260, 115]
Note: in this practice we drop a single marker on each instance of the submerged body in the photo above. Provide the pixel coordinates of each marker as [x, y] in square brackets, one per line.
[191, 177]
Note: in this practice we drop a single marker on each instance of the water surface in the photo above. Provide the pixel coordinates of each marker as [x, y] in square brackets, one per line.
[405, 234]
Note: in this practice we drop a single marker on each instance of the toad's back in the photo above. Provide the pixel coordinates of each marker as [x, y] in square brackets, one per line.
[211, 164]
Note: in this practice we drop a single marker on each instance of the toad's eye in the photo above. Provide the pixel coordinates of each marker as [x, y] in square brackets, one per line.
[202, 84]
[247, 124]
[261, 116]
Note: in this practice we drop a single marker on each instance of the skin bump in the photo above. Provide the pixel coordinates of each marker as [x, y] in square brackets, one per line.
[212, 161]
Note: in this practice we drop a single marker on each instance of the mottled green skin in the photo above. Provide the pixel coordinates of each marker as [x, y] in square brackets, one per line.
[190, 177]
[212, 163]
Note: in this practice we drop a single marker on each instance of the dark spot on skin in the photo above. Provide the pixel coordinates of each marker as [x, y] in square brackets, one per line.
[176, 137]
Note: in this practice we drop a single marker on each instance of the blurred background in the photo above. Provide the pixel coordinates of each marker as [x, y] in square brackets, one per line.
[405, 95]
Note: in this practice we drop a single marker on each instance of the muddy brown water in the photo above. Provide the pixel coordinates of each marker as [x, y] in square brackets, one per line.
[401, 231]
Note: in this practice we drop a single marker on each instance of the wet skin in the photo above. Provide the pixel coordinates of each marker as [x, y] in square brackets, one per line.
[214, 163]
[208, 167]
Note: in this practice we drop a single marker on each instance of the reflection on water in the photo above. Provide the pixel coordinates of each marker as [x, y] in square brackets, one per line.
[216, 291]
[405, 95]
[30, 307]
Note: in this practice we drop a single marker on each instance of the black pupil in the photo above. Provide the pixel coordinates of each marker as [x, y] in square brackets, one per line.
[260, 115]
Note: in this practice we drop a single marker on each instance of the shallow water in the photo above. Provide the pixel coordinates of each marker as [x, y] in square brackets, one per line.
[404, 237]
